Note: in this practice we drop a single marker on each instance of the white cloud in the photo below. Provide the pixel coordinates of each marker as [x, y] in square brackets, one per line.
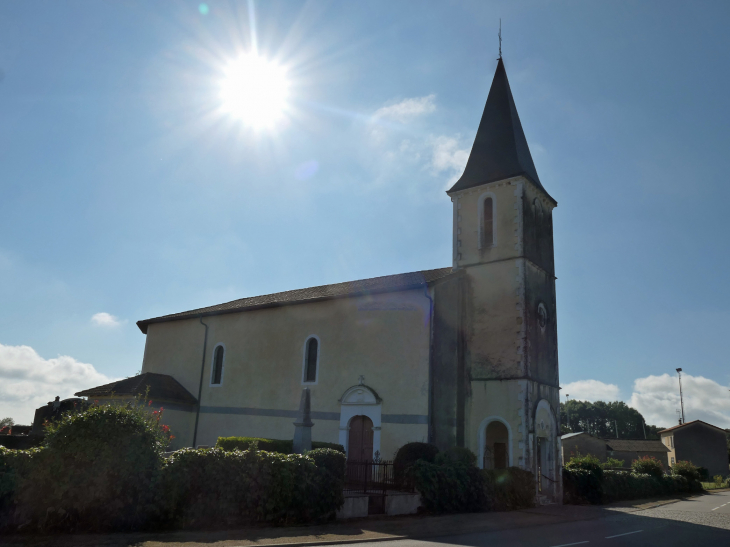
[591, 390]
[407, 109]
[104, 319]
[27, 381]
[657, 398]
[447, 156]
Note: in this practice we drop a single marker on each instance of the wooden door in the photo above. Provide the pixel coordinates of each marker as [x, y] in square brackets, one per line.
[360, 443]
[500, 455]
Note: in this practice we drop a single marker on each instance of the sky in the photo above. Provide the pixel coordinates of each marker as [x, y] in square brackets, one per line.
[129, 190]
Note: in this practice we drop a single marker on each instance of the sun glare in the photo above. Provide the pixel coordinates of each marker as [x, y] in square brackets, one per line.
[255, 90]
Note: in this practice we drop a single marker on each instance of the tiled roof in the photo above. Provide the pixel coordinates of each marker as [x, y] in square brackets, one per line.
[162, 387]
[690, 423]
[635, 445]
[388, 283]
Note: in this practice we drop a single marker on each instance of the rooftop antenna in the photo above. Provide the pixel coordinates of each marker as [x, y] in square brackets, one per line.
[500, 38]
[681, 398]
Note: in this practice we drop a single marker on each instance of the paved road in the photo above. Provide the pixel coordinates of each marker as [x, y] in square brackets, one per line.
[697, 522]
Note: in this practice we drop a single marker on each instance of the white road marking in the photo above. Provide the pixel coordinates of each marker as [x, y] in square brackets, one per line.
[626, 534]
[566, 544]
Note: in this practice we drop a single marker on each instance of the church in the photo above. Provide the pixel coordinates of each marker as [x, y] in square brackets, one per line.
[464, 355]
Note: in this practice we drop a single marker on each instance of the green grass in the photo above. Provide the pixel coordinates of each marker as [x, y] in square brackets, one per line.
[713, 485]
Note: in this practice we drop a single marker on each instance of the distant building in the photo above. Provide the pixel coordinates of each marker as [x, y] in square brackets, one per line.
[703, 444]
[627, 450]
[581, 444]
[635, 449]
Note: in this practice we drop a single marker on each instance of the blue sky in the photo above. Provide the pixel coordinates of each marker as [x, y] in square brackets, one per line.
[126, 192]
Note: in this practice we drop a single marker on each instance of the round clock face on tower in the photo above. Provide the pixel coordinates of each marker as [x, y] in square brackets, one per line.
[542, 315]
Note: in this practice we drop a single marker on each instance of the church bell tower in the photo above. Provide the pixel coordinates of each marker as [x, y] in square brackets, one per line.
[503, 247]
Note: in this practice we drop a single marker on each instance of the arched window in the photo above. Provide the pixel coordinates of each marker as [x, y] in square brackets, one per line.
[311, 355]
[486, 216]
[216, 375]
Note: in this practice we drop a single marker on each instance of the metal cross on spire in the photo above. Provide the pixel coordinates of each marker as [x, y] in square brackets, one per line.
[500, 37]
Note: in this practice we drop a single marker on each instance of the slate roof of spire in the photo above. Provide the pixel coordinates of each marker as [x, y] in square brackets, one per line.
[500, 148]
[387, 283]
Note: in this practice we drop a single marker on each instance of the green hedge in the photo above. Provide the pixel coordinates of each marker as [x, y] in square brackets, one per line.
[281, 446]
[410, 453]
[509, 489]
[583, 486]
[208, 487]
[454, 486]
[449, 488]
[104, 469]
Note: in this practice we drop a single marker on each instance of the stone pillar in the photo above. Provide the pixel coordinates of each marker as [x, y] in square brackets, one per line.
[303, 425]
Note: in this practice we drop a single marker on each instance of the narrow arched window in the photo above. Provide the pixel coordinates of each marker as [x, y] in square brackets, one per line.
[217, 373]
[488, 223]
[310, 360]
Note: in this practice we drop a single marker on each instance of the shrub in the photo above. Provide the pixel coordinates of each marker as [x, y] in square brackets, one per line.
[704, 474]
[587, 463]
[687, 470]
[648, 465]
[213, 486]
[332, 460]
[611, 463]
[410, 453]
[718, 480]
[282, 446]
[581, 485]
[509, 489]
[98, 469]
[331, 466]
[450, 487]
[457, 454]
[15, 467]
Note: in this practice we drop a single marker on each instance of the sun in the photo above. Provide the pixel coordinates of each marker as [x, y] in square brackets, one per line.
[255, 90]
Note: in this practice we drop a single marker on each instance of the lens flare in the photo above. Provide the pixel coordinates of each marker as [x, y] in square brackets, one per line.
[255, 91]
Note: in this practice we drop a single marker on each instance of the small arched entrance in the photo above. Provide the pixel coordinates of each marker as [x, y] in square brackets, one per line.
[495, 446]
[360, 441]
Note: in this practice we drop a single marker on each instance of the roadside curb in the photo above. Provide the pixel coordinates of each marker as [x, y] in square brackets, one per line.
[335, 541]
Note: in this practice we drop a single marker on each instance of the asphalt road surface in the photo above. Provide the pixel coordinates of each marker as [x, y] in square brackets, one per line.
[696, 522]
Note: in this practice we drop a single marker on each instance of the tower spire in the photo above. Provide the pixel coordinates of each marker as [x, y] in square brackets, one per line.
[500, 38]
[500, 149]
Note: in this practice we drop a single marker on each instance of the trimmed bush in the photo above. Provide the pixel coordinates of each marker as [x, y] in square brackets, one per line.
[213, 486]
[649, 466]
[587, 463]
[509, 489]
[581, 486]
[98, 470]
[410, 453]
[15, 467]
[449, 488]
[457, 454]
[687, 470]
[282, 446]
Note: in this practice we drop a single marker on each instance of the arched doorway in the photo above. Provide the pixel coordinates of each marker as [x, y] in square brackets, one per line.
[496, 442]
[360, 441]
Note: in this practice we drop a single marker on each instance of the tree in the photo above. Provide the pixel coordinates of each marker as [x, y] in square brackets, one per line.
[601, 420]
[6, 421]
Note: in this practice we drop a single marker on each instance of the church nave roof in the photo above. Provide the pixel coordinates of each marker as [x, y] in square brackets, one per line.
[387, 283]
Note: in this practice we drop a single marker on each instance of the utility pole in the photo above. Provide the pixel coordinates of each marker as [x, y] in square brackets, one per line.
[567, 409]
[643, 424]
[681, 398]
[615, 424]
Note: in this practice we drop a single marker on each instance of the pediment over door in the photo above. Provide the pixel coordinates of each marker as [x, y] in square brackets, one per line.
[360, 395]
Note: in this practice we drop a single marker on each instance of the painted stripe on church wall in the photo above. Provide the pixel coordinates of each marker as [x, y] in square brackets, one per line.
[277, 413]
